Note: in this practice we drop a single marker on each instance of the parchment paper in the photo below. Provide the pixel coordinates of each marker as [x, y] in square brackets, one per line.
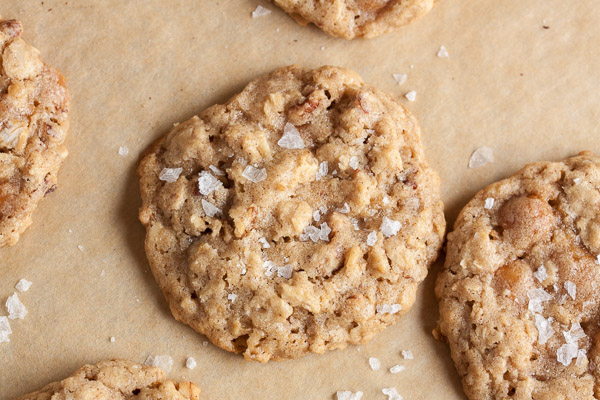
[135, 67]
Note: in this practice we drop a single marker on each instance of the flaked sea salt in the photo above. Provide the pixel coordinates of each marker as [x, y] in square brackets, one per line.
[391, 393]
[254, 174]
[170, 175]
[80, 247]
[480, 157]
[541, 274]
[348, 395]
[386, 200]
[566, 353]
[216, 171]
[190, 363]
[407, 355]
[260, 11]
[389, 227]
[489, 203]
[400, 78]
[353, 162]
[123, 151]
[23, 285]
[317, 215]
[323, 169]
[372, 238]
[310, 232]
[285, 271]
[577, 181]
[374, 363]
[323, 210]
[210, 209]
[163, 362]
[536, 298]
[397, 368]
[16, 309]
[231, 297]
[388, 308]
[112, 339]
[345, 209]
[5, 330]
[291, 138]
[581, 357]
[544, 327]
[207, 183]
[270, 268]
[598, 259]
[264, 242]
[443, 52]
[571, 288]
[574, 333]
[411, 96]
[325, 231]
[355, 224]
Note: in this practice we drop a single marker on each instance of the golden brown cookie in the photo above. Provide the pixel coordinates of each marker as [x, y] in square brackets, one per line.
[519, 294]
[116, 380]
[300, 216]
[356, 18]
[34, 105]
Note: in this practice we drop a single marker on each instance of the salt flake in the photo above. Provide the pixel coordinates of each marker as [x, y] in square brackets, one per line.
[4, 330]
[112, 339]
[264, 242]
[407, 355]
[291, 138]
[312, 233]
[348, 395]
[260, 11]
[270, 268]
[317, 215]
[207, 183]
[210, 209]
[411, 96]
[389, 227]
[480, 157]
[372, 238]
[571, 288]
[489, 203]
[170, 175]
[345, 209]
[163, 362]
[566, 353]
[581, 357]
[216, 171]
[23, 285]
[536, 297]
[386, 200]
[353, 162]
[391, 393]
[574, 333]
[400, 78]
[16, 309]
[123, 151]
[443, 52]
[231, 297]
[397, 368]
[285, 271]
[544, 327]
[190, 363]
[323, 169]
[541, 274]
[374, 363]
[325, 231]
[388, 308]
[254, 174]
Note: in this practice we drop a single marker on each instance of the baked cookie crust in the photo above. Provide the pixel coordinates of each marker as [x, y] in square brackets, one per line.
[34, 106]
[300, 216]
[356, 18]
[116, 380]
[519, 298]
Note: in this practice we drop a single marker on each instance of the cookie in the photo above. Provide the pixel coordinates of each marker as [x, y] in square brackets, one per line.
[34, 107]
[300, 216]
[356, 18]
[114, 380]
[519, 294]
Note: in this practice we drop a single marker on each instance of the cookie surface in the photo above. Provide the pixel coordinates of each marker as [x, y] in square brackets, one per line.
[300, 216]
[519, 293]
[34, 105]
[356, 18]
[116, 380]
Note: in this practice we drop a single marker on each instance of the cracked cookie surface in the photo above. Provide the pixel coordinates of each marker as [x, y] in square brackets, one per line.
[356, 18]
[116, 380]
[519, 298]
[34, 104]
[300, 216]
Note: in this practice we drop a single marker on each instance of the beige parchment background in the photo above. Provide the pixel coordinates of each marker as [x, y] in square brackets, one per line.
[135, 67]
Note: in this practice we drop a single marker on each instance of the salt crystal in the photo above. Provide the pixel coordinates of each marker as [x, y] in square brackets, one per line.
[397, 368]
[264, 243]
[389, 227]
[353, 162]
[489, 203]
[23, 285]
[216, 171]
[4, 330]
[407, 355]
[322, 48]
[536, 297]
[386, 200]
[285, 271]
[348, 395]
[481, 157]
[411, 96]
[123, 151]
[388, 308]
[391, 393]
[576, 181]
[372, 238]
[190, 363]
[374, 363]
[317, 215]
[443, 53]
[566, 353]
[312, 233]
[270, 268]
[345, 209]
[163, 362]
[231, 297]
[355, 224]
[170, 175]
[581, 357]
[291, 138]
[571, 288]
[16, 309]
[598, 259]
[574, 333]
[112, 339]
[254, 174]
[541, 274]
[325, 231]
[323, 210]
[544, 327]
[80, 247]
[369, 131]
[260, 11]
[209, 209]
[207, 183]
[400, 78]
[322, 171]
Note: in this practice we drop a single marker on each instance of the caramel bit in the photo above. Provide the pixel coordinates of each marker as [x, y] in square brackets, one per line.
[526, 220]
[515, 278]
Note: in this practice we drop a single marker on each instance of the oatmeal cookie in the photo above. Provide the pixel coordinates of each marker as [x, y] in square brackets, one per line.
[519, 294]
[300, 216]
[34, 105]
[356, 18]
[116, 380]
